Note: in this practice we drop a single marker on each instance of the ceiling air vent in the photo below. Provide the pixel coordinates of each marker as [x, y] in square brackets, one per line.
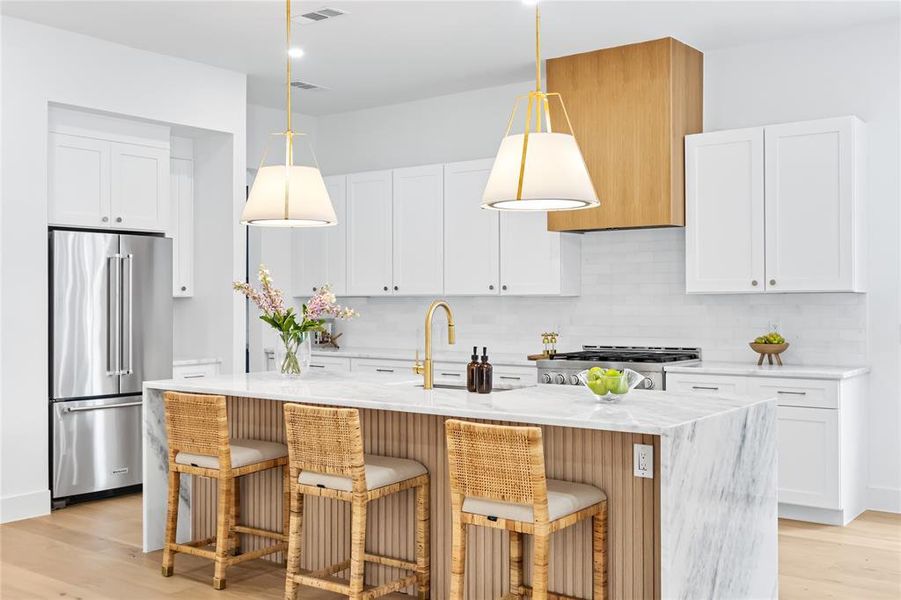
[306, 85]
[319, 15]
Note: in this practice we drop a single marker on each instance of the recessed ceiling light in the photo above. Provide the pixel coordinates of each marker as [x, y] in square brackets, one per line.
[295, 52]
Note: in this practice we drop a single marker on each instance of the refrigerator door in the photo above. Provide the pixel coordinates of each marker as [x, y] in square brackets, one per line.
[96, 445]
[146, 338]
[85, 312]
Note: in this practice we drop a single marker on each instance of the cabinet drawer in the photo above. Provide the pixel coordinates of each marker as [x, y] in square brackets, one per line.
[450, 372]
[515, 375]
[706, 384]
[382, 367]
[809, 393]
[195, 371]
[808, 457]
[329, 363]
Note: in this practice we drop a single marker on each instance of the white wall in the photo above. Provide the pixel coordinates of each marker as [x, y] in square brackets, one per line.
[42, 65]
[633, 281]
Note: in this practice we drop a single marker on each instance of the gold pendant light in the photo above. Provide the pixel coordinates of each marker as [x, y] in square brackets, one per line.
[288, 194]
[539, 169]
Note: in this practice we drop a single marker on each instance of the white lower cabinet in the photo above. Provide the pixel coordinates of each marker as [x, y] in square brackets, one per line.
[821, 438]
[195, 370]
[382, 367]
[329, 363]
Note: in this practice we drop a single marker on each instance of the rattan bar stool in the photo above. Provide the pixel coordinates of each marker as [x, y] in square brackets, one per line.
[325, 449]
[197, 428]
[497, 479]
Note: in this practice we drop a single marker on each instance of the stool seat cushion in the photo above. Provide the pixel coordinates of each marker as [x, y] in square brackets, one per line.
[563, 498]
[380, 471]
[244, 452]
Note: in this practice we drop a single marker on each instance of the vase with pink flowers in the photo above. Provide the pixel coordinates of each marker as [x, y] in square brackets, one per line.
[294, 330]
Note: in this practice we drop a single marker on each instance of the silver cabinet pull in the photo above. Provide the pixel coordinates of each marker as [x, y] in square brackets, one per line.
[318, 366]
[102, 407]
[451, 374]
[194, 376]
[509, 377]
[113, 306]
[791, 393]
[385, 370]
[705, 387]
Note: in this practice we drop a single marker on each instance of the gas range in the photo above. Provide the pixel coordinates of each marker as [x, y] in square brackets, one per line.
[563, 368]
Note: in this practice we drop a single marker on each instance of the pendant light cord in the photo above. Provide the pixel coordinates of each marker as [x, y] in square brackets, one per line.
[537, 47]
[288, 61]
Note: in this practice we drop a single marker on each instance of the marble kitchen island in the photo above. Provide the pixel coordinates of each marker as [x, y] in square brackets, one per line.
[704, 526]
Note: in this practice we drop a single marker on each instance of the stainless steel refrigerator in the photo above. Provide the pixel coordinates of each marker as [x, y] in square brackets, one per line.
[110, 330]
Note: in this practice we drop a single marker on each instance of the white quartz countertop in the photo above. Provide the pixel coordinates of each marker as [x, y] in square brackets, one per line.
[640, 411]
[449, 356]
[786, 371]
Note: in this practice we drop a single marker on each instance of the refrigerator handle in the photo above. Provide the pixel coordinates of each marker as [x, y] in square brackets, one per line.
[113, 306]
[128, 259]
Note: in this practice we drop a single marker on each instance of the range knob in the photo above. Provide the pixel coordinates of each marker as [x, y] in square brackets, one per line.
[559, 378]
[546, 378]
[574, 380]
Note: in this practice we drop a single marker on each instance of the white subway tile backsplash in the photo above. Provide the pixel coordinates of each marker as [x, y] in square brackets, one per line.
[633, 286]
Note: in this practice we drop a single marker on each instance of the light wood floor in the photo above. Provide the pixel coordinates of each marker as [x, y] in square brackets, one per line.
[93, 550]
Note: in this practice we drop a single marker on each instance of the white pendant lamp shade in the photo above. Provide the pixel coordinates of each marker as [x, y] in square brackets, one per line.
[554, 175]
[308, 203]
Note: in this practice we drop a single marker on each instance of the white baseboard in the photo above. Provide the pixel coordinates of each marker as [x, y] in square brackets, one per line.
[812, 514]
[24, 506]
[884, 499]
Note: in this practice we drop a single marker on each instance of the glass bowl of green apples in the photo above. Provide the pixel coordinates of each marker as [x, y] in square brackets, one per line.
[609, 385]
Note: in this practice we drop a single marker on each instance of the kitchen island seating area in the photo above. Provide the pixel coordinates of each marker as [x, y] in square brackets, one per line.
[199, 445]
[513, 494]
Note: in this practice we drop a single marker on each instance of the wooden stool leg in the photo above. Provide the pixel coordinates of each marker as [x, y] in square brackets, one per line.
[171, 522]
[286, 502]
[541, 542]
[234, 542]
[458, 556]
[423, 548]
[295, 542]
[599, 538]
[223, 516]
[516, 564]
[357, 546]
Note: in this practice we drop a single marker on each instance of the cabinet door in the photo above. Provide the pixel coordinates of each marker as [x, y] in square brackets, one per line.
[181, 210]
[529, 255]
[471, 234]
[320, 253]
[724, 212]
[79, 181]
[369, 234]
[418, 232]
[808, 457]
[139, 197]
[810, 211]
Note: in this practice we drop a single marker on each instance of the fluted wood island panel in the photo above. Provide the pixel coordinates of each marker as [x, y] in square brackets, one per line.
[601, 458]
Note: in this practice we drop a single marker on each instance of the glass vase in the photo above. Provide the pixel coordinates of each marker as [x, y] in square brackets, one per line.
[294, 356]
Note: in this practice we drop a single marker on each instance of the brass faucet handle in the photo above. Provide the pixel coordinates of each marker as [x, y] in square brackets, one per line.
[418, 367]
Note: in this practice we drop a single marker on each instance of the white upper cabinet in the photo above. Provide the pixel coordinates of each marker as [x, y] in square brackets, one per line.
[107, 172]
[319, 253]
[369, 234]
[535, 261]
[776, 209]
[418, 218]
[814, 212]
[139, 194]
[471, 234]
[78, 173]
[724, 240]
[181, 211]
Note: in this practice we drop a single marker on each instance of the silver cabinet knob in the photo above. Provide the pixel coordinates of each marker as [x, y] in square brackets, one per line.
[118, 219]
[105, 219]
[772, 282]
[754, 282]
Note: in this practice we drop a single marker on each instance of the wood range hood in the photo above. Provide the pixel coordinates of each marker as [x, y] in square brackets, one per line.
[631, 107]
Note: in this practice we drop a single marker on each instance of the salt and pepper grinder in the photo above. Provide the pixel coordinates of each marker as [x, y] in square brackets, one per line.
[472, 372]
[486, 374]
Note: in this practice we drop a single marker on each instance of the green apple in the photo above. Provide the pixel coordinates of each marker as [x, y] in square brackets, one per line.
[617, 385]
[598, 386]
[595, 373]
[612, 373]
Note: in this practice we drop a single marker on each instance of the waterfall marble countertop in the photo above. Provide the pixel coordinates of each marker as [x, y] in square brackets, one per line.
[640, 411]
